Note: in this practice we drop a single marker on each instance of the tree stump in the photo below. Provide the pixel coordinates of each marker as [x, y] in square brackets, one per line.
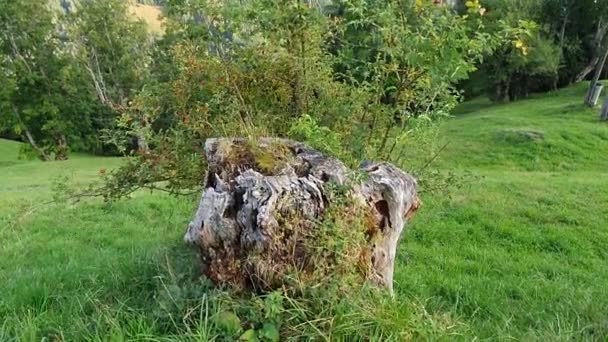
[263, 202]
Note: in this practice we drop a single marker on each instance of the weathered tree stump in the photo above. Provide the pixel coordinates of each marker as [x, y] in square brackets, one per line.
[263, 201]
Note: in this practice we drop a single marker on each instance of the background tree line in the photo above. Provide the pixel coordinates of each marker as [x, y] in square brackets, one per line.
[68, 71]
[358, 79]
[566, 42]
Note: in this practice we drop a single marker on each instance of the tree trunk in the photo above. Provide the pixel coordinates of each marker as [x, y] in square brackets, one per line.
[62, 148]
[498, 92]
[604, 112]
[30, 138]
[597, 42]
[596, 77]
[263, 204]
[562, 38]
[142, 145]
[41, 153]
[562, 31]
[587, 70]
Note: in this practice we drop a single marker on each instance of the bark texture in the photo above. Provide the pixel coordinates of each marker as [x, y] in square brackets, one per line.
[263, 201]
[598, 42]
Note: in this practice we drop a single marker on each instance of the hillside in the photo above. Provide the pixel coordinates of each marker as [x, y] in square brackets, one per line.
[519, 253]
[150, 14]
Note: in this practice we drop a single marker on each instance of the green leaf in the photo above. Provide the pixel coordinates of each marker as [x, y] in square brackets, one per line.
[249, 336]
[270, 333]
[229, 322]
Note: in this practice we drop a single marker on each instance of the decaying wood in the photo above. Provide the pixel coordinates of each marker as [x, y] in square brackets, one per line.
[262, 198]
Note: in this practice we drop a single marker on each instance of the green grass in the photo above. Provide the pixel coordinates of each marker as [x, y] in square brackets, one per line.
[522, 253]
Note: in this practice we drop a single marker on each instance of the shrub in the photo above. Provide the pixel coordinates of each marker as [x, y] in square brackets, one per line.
[357, 80]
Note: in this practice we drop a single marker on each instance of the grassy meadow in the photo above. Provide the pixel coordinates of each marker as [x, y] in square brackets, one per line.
[521, 253]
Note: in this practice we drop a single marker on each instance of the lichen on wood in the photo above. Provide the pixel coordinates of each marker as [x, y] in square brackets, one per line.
[274, 209]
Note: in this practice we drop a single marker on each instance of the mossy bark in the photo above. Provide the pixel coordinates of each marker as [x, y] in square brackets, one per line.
[263, 205]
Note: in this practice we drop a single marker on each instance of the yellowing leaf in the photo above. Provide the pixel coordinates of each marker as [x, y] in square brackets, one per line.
[472, 4]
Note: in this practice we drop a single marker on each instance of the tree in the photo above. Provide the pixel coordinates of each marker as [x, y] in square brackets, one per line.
[594, 13]
[115, 51]
[600, 51]
[359, 80]
[530, 61]
[42, 100]
[559, 15]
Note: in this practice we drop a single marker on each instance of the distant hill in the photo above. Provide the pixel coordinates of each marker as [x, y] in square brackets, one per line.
[151, 14]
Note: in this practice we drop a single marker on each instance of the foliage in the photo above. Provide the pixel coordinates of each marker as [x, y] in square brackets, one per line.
[112, 47]
[255, 69]
[530, 62]
[364, 71]
[563, 46]
[580, 27]
[43, 98]
[115, 52]
[68, 73]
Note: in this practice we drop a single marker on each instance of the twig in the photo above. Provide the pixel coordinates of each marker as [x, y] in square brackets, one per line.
[435, 156]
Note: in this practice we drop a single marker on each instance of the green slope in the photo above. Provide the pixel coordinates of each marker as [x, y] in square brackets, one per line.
[554, 132]
[523, 251]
